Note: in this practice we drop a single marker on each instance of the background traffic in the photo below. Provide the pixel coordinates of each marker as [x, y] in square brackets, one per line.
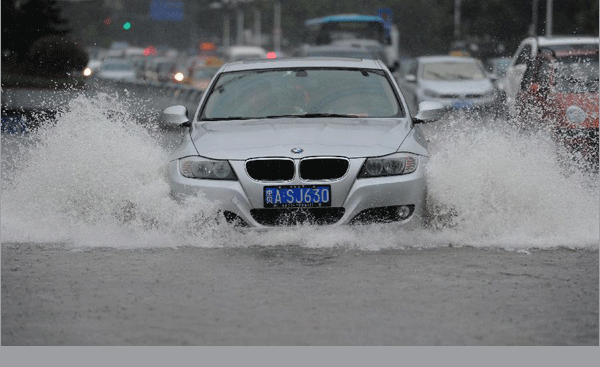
[184, 42]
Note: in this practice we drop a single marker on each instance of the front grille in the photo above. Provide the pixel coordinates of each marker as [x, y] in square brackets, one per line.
[270, 169]
[474, 96]
[317, 169]
[290, 217]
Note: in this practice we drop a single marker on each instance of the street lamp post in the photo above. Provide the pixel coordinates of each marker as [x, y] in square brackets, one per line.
[277, 27]
[534, 18]
[548, 18]
[456, 20]
[257, 30]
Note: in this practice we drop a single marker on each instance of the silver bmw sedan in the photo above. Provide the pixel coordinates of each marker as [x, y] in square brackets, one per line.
[304, 141]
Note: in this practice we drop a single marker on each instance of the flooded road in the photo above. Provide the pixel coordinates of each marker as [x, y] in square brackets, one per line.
[95, 252]
[293, 295]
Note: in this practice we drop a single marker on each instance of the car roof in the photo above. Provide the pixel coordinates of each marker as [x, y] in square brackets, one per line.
[562, 40]
[573, 52]
[445, 58]
[305, 62]
[344, 18]
[357, 42]
[244, 49]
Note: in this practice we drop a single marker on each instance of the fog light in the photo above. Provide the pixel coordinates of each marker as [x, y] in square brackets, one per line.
[403, 212]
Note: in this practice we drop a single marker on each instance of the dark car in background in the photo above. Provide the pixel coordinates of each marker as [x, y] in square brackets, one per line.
[559, 91]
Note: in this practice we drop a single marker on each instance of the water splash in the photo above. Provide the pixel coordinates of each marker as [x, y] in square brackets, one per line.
[94, 177]
[500, 186]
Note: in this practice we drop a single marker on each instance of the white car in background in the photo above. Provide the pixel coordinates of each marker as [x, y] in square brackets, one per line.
[527, 51]
[307, 140]
[92, 68]
[117, 69]
[239, 53]
[456, 82]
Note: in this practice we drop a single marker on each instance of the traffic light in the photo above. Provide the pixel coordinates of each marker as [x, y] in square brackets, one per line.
[126, 26]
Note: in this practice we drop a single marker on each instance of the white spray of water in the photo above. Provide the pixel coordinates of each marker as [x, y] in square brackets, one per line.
[507, 188]
[95, 177]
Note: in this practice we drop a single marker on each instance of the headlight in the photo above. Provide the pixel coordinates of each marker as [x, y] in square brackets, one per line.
[197, 167]
[392, 165]
[431, 93]
[87, 72]
[178, 76]
[576, 115]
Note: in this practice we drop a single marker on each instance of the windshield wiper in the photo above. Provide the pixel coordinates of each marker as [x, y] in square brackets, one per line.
[328, 115]
[308, 115]
[228, 118]
[312, 115]
[278, 116]
[459, 76]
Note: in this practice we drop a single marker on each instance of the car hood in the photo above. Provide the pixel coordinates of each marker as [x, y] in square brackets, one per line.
[240, 140]
[458, 86]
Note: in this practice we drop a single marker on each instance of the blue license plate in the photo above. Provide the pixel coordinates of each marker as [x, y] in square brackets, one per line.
[459, 105]
[297, 196]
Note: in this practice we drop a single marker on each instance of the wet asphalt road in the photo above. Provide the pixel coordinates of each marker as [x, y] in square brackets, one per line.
[287, 295]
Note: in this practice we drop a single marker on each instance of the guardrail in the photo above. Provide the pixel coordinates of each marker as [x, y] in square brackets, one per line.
[23, 104]
[165, 94]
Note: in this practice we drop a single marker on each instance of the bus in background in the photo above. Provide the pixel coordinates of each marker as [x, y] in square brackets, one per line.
[333, 29]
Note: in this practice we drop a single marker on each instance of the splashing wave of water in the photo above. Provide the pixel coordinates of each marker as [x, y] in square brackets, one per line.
[95, 177]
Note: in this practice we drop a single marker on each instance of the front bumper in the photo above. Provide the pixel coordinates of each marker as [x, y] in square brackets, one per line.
[353, 200]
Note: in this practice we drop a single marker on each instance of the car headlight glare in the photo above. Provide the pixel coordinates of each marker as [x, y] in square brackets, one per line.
[576, 115]
[179, 76]
[196, 167]
[388, 166]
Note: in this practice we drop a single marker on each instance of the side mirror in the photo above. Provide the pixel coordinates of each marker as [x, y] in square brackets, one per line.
[429, 111]
[176, 115]
[411, 78]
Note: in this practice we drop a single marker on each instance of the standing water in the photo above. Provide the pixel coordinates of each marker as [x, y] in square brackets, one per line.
[93, 176]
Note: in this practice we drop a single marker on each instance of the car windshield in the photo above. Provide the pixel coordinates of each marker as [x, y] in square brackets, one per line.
[117, 65]
[452, 71]
[312, 92]
[577, 75]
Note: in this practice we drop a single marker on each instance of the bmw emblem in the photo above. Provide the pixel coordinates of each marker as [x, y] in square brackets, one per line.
[297, 150]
